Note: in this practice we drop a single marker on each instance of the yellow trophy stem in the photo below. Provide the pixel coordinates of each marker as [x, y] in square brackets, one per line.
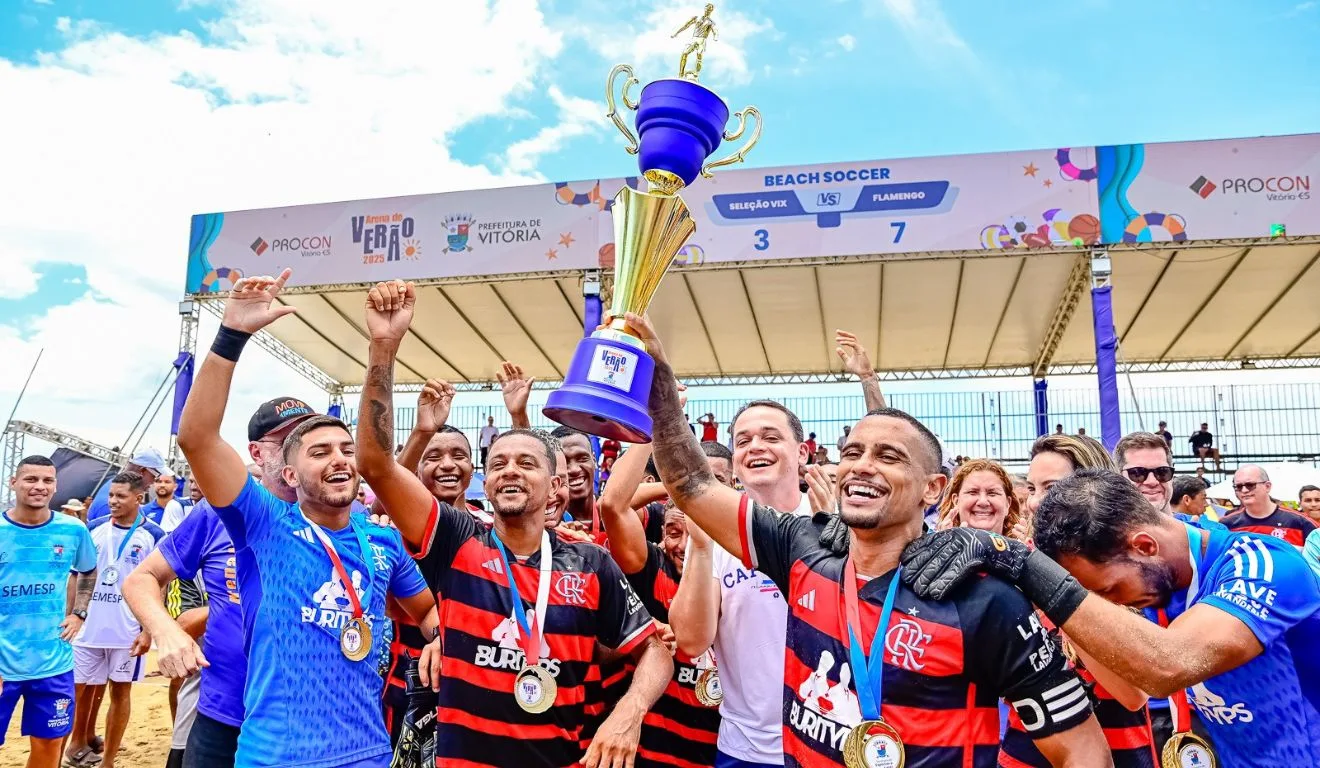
[649, 230]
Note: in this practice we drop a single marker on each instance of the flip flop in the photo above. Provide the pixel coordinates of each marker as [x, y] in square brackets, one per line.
[83, 758]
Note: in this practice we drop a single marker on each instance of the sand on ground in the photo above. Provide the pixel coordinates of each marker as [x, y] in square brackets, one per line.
[146, 740]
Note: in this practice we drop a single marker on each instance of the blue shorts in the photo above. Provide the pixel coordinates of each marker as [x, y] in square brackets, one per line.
[47, 706]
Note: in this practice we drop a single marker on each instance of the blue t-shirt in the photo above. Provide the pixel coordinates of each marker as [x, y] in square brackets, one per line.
[201, 545]
[307, 705]
[1264, 713]
[154, 511]
[35, 561]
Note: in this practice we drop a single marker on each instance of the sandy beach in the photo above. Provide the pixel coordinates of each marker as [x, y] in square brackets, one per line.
[146, 741]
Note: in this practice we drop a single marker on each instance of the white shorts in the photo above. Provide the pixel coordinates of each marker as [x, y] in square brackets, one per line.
[189, 693]
[93, 666]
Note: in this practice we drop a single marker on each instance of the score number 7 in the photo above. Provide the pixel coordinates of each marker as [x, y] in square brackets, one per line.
[899, 226]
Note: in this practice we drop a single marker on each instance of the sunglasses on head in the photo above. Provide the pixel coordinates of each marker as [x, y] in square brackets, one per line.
[1245, 487]
[1139, 474]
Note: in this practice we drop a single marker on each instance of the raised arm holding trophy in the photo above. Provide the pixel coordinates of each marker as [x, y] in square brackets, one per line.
[680, 124]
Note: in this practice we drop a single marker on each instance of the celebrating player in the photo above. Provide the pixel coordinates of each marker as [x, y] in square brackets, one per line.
[201, 548]
[312, 576]
[512, 691]
[42, 549]
[851, 628]
[1244, 610]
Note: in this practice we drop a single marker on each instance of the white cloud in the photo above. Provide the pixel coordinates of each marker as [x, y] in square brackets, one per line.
[577, 117]
[43, 2]
[847, 42]
[648, 44]
[281, 102]
[18, 279]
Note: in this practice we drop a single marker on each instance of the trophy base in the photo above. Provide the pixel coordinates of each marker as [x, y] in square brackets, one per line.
[606, 390]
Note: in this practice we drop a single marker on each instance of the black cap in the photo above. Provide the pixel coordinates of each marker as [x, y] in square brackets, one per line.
[277, 413]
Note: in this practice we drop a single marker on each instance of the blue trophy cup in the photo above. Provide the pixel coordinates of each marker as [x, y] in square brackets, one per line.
[680, 124]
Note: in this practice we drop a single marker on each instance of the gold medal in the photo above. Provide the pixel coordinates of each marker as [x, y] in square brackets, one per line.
[1187, 750]
[873, 744]
[709, 692]
[355, 639]
[535, 689]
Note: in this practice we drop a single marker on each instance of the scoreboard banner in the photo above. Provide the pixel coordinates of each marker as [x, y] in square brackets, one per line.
[1078, 196]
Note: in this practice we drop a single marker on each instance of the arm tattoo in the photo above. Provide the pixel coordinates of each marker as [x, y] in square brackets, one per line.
[379, 394]
[83, 590]
[677, 453]
[875, 399]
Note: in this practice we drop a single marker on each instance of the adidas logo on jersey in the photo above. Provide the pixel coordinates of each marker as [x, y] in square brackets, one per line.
[305, 534]
[808, 601]
[493, 564]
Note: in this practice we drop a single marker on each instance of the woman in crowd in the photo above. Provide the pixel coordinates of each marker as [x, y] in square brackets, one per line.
[980, 495]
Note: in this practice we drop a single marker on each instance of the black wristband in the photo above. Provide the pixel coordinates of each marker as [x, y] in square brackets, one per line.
[229, 343]
[1050, 588]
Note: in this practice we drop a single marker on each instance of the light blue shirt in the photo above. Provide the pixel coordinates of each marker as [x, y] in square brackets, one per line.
[35, 562]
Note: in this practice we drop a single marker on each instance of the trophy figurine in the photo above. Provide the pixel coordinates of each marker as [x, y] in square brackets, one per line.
[680, 124]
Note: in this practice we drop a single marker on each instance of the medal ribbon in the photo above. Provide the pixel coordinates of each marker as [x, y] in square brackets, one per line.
[340, 570]
[1180, 706]
[123, 543]
[870, 667]
[531, 644]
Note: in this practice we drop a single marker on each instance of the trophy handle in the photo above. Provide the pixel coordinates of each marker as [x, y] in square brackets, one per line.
[741, 154]
[613, 114]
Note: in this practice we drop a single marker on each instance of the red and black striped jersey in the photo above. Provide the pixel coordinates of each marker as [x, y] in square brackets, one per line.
[1128, 733]
[1281, 524]
[946, 664]
[679, 730]
[478, 721]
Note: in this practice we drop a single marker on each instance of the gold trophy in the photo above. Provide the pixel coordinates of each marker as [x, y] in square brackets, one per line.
[680, 123]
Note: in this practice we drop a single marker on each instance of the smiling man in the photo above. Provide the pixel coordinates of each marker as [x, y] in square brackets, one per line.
[945, 663]
[39, 550]
[1147, 461]
[513, 659]
[314, 577]
[1260, 513]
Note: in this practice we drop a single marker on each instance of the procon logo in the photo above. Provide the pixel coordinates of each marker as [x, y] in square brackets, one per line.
[305, 245]
[1273, 187]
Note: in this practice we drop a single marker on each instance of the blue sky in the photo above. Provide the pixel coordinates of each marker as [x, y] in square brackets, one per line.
[143, 112]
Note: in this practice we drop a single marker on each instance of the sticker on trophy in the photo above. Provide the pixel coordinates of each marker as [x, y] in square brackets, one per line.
[535, 689]
[355, 639]
[613, 367]
[110, 576]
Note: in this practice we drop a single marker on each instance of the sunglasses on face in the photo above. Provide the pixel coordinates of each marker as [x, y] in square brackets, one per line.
[1139, 474]
[1244, 487]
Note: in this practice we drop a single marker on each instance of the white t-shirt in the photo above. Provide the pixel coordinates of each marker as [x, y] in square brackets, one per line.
[174, 515]
[749, 650]
[109, 622]
[488, 435]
